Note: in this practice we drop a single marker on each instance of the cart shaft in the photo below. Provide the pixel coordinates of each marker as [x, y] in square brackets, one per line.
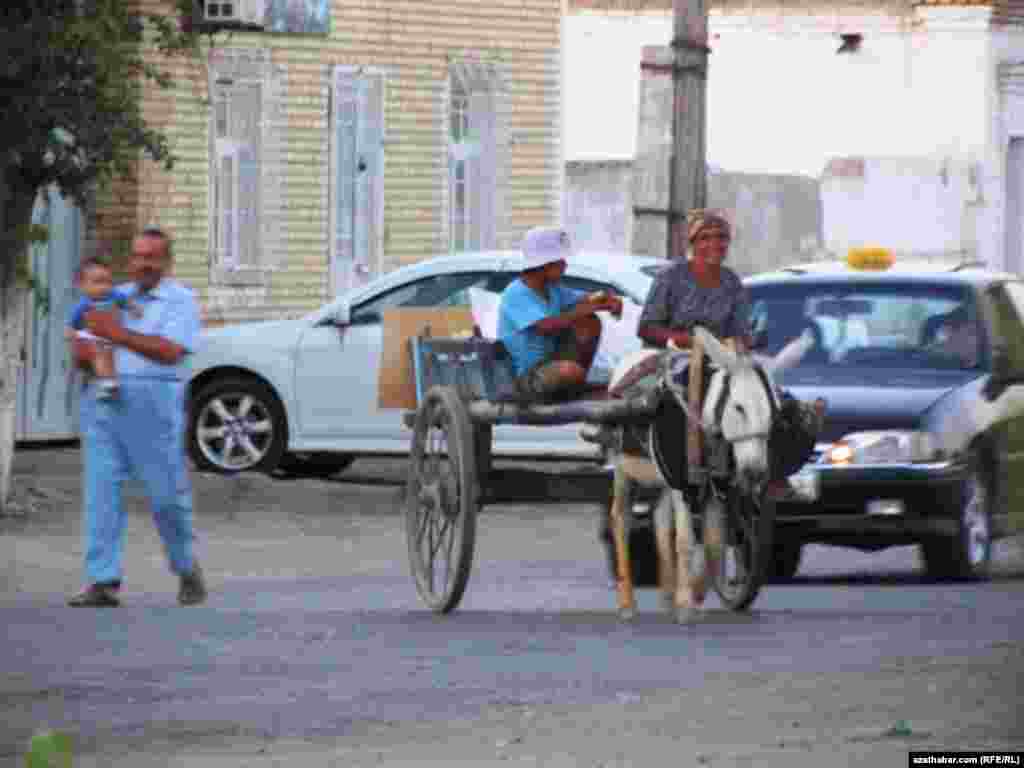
[594, 411]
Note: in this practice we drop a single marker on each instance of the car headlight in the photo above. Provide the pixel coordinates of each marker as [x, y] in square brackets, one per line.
[882, 447]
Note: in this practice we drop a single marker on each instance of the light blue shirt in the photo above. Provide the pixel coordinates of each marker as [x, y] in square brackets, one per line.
[169, 310]
[521, 307]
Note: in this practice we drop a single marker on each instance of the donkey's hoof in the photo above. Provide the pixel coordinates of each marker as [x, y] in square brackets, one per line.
[668, 603]
[627, 614]
[686, 614]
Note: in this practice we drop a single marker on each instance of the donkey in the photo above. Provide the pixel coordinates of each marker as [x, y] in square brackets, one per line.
[738, 408]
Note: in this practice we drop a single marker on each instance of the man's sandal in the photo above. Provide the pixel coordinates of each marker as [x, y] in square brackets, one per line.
[95, 596]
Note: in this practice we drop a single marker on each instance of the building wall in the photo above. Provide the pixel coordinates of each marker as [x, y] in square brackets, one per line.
[780, 100]
[596, 207]
[777, 219]
[918, 109]
[1005, 93]
[916, 206]
[407, 41]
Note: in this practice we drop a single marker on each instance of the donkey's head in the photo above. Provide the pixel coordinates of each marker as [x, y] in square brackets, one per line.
[741, 401]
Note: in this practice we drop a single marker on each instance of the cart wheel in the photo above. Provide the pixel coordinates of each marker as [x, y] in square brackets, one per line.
[484, 443]
[746, 551]
[442, 499]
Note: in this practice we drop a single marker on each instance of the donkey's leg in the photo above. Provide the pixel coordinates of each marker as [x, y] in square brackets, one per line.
[714, 542]
[621, 501]
[663, 525]
[685, 605]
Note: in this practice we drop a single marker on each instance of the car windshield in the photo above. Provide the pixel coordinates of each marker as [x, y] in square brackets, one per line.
[883, 325]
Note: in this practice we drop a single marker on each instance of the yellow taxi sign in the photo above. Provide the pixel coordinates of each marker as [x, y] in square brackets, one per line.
[870, 257]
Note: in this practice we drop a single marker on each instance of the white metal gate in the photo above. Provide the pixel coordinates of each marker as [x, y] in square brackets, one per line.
[47, 395]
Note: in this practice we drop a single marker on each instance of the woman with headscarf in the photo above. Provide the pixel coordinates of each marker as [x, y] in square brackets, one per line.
[699, 290]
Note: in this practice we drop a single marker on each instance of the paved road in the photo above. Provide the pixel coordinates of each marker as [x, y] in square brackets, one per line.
[314, 631]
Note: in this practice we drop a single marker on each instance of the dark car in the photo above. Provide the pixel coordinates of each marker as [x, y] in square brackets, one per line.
[922, 370]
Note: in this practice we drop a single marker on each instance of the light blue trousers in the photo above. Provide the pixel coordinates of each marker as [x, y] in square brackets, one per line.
[139, 435]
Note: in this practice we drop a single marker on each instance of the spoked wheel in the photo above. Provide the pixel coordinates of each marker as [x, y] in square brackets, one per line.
[442, 499]
[746, 551]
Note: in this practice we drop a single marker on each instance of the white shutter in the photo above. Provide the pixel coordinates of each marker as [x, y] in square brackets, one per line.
[369, 177]
[501, 217]
[344, 108]
[458, 157]
[245, 127]
[482, 120]
[225, 204]
[245, 124]
[357, 176]
[236, 180]
[479, 149]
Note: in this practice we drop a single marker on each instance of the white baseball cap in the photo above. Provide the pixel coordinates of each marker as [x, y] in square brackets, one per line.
[545, 245]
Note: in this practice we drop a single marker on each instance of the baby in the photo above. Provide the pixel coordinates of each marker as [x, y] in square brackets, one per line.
[96, 283]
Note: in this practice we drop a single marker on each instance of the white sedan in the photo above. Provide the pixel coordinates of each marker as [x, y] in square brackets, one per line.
[301, 395]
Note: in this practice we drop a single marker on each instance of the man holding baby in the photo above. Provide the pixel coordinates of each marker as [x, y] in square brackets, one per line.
[139, 432]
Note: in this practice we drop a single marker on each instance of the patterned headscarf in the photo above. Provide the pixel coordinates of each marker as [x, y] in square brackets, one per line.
[701, 218]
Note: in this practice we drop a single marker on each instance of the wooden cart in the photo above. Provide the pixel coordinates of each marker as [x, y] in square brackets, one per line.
[462, 387]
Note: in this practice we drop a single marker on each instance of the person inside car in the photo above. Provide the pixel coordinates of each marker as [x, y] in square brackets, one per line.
[958, 338]
[551, 331]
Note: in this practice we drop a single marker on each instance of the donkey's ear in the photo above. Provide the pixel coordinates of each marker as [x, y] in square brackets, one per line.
[720, 354]
[791, 354]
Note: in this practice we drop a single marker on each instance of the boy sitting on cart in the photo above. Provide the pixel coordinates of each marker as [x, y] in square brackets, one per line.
[551, 331]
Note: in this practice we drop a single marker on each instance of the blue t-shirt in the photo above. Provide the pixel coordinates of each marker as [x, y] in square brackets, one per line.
[118, 297]
[520, 309]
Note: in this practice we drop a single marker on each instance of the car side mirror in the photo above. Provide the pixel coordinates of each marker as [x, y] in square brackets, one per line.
[339, 317]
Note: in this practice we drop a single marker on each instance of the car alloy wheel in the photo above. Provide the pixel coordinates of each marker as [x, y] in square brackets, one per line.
[236, 425]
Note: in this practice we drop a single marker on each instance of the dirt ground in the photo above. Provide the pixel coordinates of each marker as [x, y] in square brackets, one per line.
[844, 717]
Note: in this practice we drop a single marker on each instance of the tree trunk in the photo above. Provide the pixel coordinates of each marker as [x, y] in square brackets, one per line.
[15, 219]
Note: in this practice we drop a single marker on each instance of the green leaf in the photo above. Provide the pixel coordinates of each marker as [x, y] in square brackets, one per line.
[50, 749]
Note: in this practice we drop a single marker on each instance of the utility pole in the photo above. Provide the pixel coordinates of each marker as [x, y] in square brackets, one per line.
[688, 177]
[669, 168]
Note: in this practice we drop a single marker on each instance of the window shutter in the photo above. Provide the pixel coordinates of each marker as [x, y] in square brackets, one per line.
[245, 127]
[345, 107]
[500, 167]
[246, 190]
[370, 158]
[481, 150]
[225, 204]
[481, 110]
[458, 156]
